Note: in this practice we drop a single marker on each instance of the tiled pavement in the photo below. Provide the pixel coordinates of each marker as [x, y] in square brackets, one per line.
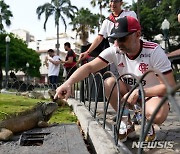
[168, 131]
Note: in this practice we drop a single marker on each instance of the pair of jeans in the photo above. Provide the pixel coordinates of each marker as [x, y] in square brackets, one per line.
[53, 81]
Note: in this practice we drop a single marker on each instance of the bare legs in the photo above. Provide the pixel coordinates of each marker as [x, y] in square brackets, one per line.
[151, 104]
[109, 83]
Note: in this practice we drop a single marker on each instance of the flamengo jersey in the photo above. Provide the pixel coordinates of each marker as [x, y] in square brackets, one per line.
[107, 25]
[152, 56]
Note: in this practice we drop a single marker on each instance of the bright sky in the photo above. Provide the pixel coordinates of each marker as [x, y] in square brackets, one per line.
[25, 17]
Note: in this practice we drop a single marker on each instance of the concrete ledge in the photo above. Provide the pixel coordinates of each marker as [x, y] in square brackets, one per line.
[101, 140]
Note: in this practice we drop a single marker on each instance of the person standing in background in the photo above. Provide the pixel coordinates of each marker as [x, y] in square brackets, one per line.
[70, 60]
[52, 61]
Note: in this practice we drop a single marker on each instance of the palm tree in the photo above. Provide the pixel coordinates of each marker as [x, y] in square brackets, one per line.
[60, 9]
[102, 4]
[5, 15]
[85, 22]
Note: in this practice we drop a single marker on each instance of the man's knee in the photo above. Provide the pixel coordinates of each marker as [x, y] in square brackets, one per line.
[160, 116]
[109, 82]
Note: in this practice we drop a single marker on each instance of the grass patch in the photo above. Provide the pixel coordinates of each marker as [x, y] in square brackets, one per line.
[10, 104]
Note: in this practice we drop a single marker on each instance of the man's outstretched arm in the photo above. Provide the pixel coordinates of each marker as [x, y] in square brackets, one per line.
[81, 73]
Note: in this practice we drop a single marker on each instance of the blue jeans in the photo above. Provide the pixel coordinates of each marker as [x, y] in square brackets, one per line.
[53, 80]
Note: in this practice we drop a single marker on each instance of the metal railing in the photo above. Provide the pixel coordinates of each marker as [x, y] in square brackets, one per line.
[95, 82]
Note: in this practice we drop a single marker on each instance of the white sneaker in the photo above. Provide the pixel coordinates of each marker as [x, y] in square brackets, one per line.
[126, 130]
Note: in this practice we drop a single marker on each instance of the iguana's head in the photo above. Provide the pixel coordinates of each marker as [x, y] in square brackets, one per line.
[48, 109]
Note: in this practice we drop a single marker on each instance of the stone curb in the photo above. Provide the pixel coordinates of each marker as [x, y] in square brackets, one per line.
[101, 141]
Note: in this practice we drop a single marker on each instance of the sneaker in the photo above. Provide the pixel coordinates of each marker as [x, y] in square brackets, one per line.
[122, 132]
[126, 131]
[131, 133]
[151, 136]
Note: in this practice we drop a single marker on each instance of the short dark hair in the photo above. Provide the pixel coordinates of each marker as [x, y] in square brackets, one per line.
[50, 50]
[178, 11]
[67, 44]
[115, 0]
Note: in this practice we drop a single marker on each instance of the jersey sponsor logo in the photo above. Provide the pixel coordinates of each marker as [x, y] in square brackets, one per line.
[133, 81]
[121, 65]
[145, 55]
[143, 67]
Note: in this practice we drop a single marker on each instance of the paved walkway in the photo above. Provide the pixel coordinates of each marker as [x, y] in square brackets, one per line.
[59, 139]
[168, 132]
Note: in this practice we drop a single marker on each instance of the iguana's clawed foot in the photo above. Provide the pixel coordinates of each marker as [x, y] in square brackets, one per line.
[42, 124]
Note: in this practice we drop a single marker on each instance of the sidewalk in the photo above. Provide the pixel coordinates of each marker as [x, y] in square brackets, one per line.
[102, 140]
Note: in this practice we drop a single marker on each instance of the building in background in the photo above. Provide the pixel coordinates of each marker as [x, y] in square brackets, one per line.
[41, 46]
[24, 35]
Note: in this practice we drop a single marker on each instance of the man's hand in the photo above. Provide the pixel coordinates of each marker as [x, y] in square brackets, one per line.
[83, 55]
[46, 61]
[63, 91]
[46, 58]
[132, 99]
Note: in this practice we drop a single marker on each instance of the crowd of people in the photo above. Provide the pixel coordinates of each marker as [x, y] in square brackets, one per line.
[128, 53]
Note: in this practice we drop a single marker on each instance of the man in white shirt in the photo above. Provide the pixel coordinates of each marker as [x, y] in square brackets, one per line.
[135, 56]
[52, 61]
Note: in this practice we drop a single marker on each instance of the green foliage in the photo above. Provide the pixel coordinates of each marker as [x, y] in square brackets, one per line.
[5, 15]
[85, 22]
[19, 55]
[58, 8]
[102, 5]
[11, 104]
[152, 14]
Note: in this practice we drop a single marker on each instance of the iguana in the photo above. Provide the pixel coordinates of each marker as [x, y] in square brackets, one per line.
[28, 119]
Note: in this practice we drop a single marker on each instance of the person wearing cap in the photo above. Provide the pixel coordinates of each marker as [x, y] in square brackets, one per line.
[52, 61]
[135, 56]
[107, 25]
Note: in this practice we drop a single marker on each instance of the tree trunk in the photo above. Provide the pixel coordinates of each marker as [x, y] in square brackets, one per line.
[1, 77]
[57, 45]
